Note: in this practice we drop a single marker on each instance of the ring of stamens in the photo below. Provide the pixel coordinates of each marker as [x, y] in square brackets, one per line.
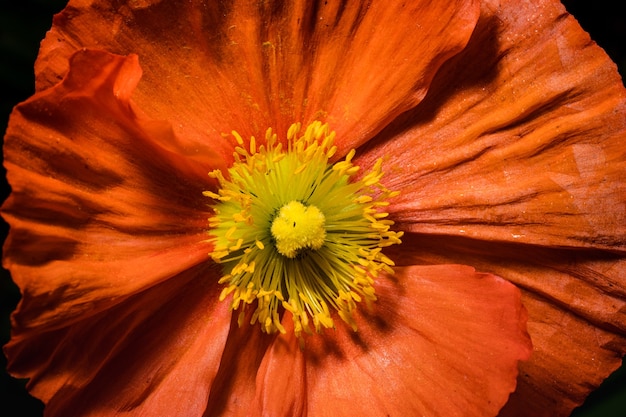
[296, 233]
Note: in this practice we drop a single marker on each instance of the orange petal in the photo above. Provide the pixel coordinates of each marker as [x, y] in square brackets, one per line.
[98, 210]
[155, 354]
[281, 393]
[233, 392]
[248, 66]
[440, 341]
[521, 138]
[576, 301]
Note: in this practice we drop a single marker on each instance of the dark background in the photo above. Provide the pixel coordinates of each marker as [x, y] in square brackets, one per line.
[22, 26]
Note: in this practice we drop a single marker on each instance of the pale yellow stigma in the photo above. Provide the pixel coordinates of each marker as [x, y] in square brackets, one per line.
[297, 234]
[298, 227]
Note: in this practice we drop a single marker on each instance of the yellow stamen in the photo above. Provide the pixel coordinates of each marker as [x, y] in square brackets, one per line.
[296, 234]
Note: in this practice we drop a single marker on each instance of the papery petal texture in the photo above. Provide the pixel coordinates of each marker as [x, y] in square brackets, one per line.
[269, 64]
[577, 314]
[501, 123]
[414, 352]
[521, 137]
[234, 389]
[155, 353]
[106, 228]
[277, 392]
[98, 211]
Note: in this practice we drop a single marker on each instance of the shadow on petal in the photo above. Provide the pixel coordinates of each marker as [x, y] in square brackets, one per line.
[576, 302]
[153, 353]
[440, 340]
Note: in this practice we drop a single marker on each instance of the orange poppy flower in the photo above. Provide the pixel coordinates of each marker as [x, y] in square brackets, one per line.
[500, 124]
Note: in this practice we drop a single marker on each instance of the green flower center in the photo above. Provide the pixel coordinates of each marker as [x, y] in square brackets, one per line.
[295, 233]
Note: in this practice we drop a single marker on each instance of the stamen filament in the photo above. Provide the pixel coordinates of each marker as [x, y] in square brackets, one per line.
[311, 247]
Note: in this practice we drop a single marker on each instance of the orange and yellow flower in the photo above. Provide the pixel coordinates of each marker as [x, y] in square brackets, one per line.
[267, 208]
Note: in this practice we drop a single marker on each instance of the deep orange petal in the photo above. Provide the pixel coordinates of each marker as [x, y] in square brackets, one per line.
[440, 341]
[233, 392]
[154, 354]
[281, 387]
[576, 301]
[98, 211]
[521, 138]
[212, 66]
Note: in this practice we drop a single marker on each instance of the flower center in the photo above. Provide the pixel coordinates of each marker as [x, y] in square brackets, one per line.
[297, 234]
[298, 227]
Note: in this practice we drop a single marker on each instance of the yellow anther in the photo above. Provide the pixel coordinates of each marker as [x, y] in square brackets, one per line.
[240, 218]
[350, 155]
[226, 291]
[211, 195]
[238, 137]
[311, 248]
[363, 199]
[217, 255]
[229, 233]
[252, 145]
[236, 246]
[288, 307]
[299, 169]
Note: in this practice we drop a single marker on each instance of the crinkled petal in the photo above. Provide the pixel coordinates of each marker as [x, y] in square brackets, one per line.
[98, 211]
[440, 341]
[248, 65]
[521, 138]
[576, 301]
[154, 354]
